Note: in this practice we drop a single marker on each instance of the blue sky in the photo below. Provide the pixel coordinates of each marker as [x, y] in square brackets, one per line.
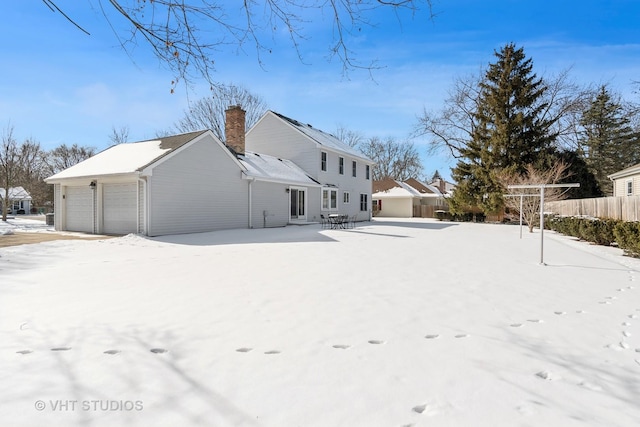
[59, 85]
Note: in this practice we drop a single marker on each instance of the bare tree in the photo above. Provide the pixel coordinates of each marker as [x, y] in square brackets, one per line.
[119, 135]
[188, 35]
[21, 164]
[32, 171]
[9, 164]
[350, 137]
[209, 112]
[531, 196]
[64, 157]
[396, 160]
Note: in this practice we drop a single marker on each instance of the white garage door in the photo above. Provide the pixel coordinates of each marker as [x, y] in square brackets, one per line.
[119, 204]
[79, 209]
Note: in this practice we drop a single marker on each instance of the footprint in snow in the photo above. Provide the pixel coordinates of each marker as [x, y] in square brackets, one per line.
[272, 352]
[112, 352]
[633, 316]
[462, 336]
[546, 375]
[432, 336]
[61, 349]
[158, 350]
[24, 351]
[620, 290]
[626, 334]
[516, 325]
[560, 313]
[624, 345]
[604, 302]
[376, 342]
[580, 311]
[626, 324]
[610, 298]
[420, 408]
[342, 346]
[535, 321]
[244, 350]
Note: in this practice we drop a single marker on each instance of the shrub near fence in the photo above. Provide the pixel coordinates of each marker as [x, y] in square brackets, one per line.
[606, 232]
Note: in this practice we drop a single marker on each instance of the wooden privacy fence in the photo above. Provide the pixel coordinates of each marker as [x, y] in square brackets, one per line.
[427, 211]
[625, 208]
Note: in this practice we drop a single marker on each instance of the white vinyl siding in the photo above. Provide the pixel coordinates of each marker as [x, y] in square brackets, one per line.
[276, 137]
[269, 205]
[621, 186]
[272, 136]
[401, 207]
[119, 208]
[79, 208]
[198, 189]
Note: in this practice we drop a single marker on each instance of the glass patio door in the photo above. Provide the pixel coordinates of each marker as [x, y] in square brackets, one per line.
[298, 201]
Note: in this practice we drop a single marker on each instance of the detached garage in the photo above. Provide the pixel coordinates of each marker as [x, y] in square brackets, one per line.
[111, 192]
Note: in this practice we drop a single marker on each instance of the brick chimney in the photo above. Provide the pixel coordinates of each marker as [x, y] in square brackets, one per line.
[234, 128]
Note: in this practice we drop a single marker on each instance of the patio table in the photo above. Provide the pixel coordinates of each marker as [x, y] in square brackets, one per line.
[338, 220]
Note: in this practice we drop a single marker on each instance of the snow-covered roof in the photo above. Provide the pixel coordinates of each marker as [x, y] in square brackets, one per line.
[633, 170]
[16, 193]
[398, 189]
[324, 139]
[263, 166]
[126, 158]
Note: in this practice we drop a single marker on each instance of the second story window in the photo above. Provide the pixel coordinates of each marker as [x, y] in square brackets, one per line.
[353, 168]
[341, 165]
[323, 161]
[367, 171]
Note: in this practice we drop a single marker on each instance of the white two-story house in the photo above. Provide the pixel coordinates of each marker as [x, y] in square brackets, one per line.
[343, 172]
[280, 172]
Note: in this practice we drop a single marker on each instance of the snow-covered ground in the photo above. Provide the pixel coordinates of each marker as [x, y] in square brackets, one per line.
[393, 323]
[24, 224]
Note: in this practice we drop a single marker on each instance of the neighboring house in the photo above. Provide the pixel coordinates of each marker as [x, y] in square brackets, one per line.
[399, 199]
[19, 200]
[185, 183]
[343, 172]
[626, 182]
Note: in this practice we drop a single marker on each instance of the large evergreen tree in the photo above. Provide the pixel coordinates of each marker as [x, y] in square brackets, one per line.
[510, 132]
[607, 140]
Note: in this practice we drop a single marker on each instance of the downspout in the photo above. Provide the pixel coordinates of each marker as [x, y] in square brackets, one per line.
[250, 201]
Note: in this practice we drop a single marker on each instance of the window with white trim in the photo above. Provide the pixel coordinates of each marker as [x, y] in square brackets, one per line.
[367, 171]
[353, 168]
[323, 161]
[345, 197]
[329, 199]
[629, 188]
[341, 165]
[364, 202]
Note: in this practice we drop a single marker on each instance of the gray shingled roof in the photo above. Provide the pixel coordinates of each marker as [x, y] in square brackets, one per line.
[323, 138]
